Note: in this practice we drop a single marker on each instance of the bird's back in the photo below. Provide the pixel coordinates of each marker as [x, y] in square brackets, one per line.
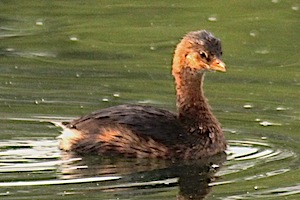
[124, 128]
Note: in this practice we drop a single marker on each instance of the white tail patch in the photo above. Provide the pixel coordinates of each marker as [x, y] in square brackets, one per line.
[68, 136]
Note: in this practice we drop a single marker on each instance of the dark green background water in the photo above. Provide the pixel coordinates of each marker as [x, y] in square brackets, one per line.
[62, 59]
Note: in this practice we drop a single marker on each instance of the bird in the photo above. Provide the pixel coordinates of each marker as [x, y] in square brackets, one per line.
[143, 131]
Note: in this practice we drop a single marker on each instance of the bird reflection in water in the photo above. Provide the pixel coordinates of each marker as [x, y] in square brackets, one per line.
[150, 176]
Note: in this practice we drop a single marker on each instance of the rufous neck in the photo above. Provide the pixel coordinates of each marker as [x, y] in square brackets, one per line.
[190, 96]
[193, 109]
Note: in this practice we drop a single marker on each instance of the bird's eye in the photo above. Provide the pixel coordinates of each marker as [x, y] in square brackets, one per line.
[203, 55]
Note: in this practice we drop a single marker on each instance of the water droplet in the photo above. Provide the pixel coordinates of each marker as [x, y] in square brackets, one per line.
[152, 48]
[280, 108]
[296, 8]
[275, 1]
[116, 95]
[248, 106]
[212, 19]
[253, 33]
[215, 166]
[266, 123]
[10, 49]
[73, 38]
[8, 83]
[39, 23]
[262, 51]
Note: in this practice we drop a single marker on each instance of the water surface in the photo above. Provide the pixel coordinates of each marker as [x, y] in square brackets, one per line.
[61, 59]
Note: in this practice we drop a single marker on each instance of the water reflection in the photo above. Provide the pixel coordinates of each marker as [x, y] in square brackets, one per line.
[191, 177]
[40, 163]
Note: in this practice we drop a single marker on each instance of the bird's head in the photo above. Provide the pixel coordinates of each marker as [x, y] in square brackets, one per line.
[199, 50]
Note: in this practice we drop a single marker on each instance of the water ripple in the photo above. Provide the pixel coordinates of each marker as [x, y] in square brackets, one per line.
[31, 161]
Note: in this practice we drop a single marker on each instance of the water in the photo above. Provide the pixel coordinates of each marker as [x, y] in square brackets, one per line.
[60, 60]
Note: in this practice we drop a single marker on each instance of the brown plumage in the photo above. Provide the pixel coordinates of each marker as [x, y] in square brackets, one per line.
[145, 131]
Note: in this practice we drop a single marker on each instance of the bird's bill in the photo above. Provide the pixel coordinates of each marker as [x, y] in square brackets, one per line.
[218, 65]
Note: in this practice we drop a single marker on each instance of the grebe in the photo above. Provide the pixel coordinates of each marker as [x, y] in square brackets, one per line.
[148, 132]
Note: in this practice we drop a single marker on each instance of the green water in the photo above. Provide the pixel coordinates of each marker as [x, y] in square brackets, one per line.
[62, 59]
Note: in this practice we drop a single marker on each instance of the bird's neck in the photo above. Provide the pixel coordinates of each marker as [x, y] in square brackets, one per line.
[194, 111]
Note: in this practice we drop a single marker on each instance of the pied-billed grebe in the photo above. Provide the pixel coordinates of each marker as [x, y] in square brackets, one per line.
[148, 132]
